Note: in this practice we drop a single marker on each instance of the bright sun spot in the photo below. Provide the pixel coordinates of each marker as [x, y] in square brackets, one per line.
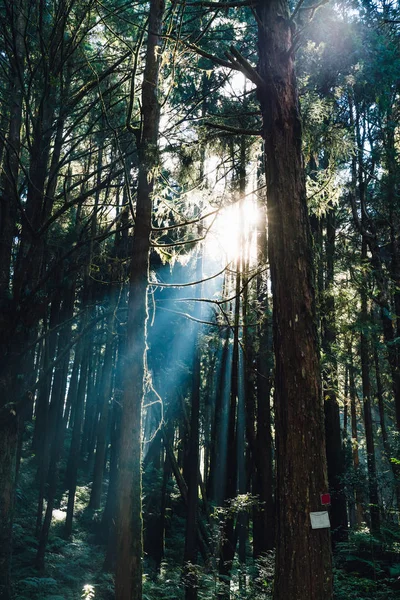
[232, 235]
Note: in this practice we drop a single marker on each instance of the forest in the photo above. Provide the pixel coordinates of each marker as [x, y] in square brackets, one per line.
[199, 299]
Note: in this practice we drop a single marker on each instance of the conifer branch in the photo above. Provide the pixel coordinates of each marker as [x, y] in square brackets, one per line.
[233, 130]
[246, 68]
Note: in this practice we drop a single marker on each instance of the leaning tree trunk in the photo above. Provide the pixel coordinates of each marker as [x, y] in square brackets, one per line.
[128, 580]
[303, 555]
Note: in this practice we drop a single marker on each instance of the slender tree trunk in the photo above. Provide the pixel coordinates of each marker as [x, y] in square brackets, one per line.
[367, 230]
[385, 439]
[8, 443]
[367, 398]
[72, 391]
[128, 580]
[56, 423]
[41, 433]
[59, 387]
[73, 458]
[190, 553]
[346, 403]
[203, 540]
[95, 495]
[228, 543]
[264, 515]
[303, 555]
[379, 394]
[108, 518]
[357, 518]
[218, 454]
[91, 405]
[244, 393]
[9, 181]
[42, 402]
[8, 214]
[164, 506]
[334, 448]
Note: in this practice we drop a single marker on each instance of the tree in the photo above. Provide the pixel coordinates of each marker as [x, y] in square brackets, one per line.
[300, 443]
[128, 583]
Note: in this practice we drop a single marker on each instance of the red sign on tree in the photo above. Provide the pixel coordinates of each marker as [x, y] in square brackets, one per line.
[325, 499]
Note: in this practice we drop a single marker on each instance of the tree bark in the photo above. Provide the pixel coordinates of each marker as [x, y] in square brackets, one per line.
[128, 580]
[303, 556]
[334, 448]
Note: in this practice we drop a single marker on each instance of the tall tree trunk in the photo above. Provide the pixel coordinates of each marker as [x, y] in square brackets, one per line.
[218, 453]
[367, 398]
[56, 423]
[8, 214]
[42, 402]
[108, 518]
[303, 555]
[8, 444]
[190, 553]
[264, 515]
[128, 580]
[334, 448]
[228, 542]
[356, 509]
[41, 433]
[73, 457]
[95, 495]
[9, 180]
[385, 439]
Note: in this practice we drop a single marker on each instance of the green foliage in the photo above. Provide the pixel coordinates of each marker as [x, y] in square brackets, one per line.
[168, 585]
[88, 592]
[365, 565]
[353, 586]
[242, 502]
[82, 496]
[323, 191]
[36, 587]
[263, 576]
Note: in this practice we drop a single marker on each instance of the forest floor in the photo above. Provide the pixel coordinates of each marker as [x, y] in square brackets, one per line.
[366, 568]
[73, 567]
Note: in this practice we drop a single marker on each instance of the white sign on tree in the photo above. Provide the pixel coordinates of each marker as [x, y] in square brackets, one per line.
[320, 519]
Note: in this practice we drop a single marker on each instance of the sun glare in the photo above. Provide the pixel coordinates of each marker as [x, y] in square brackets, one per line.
[232, 235]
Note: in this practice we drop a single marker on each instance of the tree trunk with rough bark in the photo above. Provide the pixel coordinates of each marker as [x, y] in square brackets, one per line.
[303, 555]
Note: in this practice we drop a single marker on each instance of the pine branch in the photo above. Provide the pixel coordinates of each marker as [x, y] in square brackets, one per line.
[247, 69]
[233, 130]
[87, 87]
[214, 59]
